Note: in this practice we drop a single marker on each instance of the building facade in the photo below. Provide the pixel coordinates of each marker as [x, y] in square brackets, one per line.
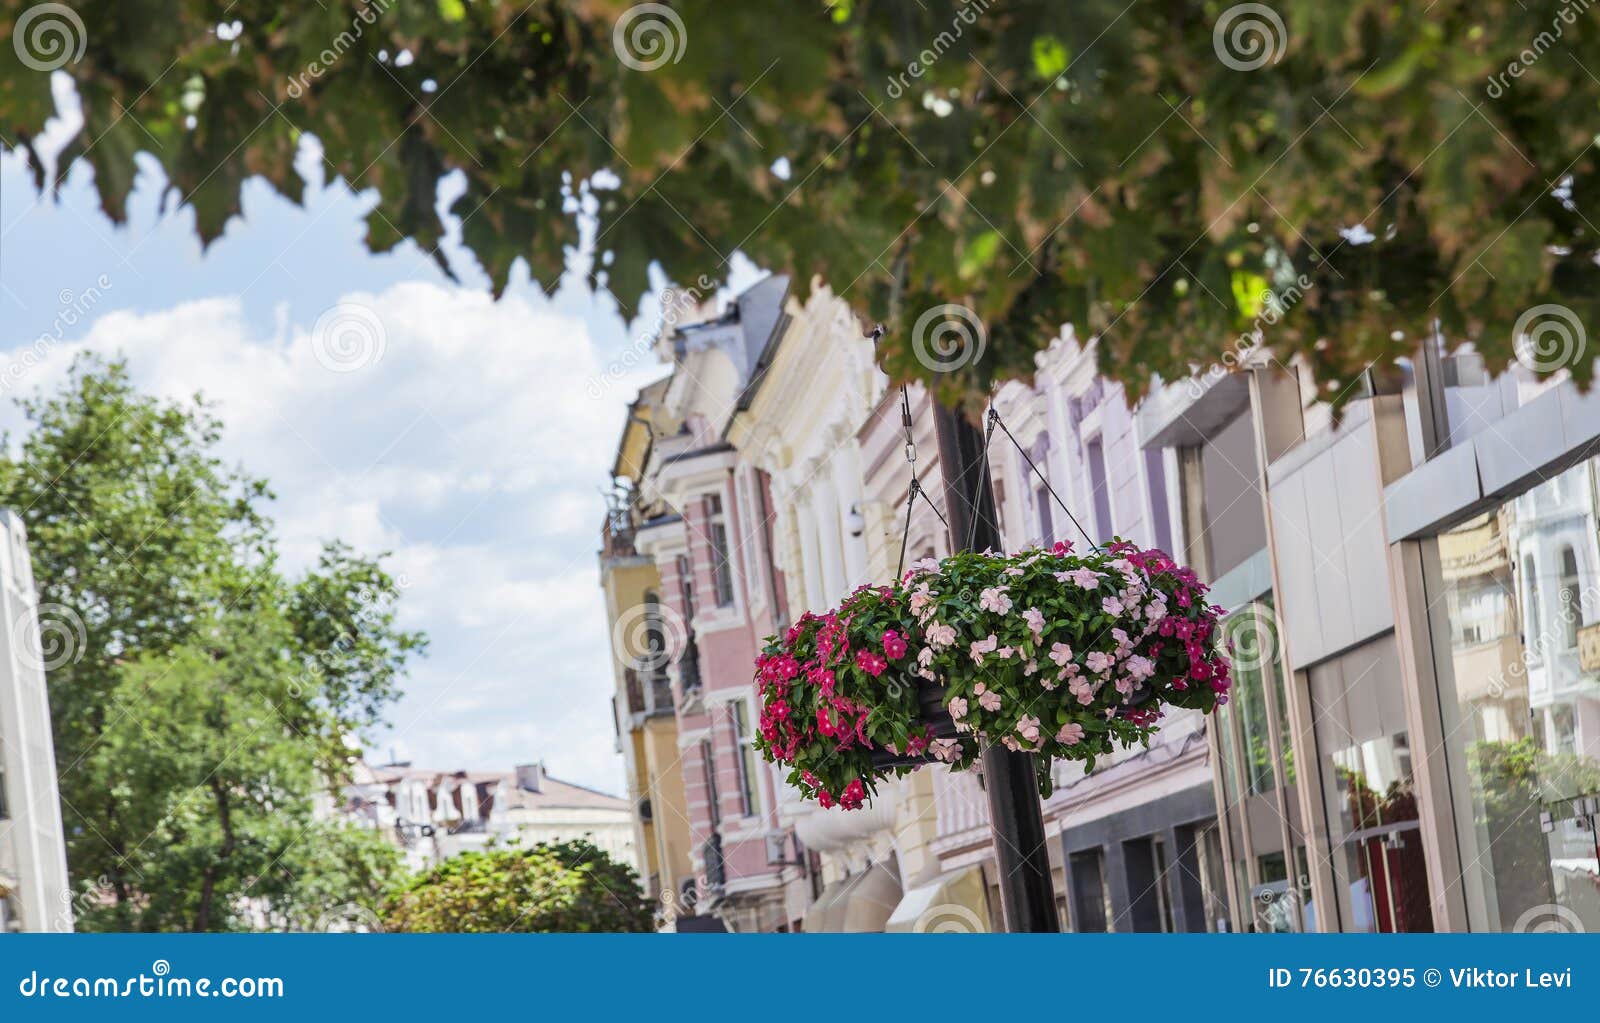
[34, 891]
[645, 635]
[708, 534]
[1413, 741]
[432, 815]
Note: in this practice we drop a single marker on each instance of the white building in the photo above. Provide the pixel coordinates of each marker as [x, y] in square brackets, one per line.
[433, 815]
[34, 894]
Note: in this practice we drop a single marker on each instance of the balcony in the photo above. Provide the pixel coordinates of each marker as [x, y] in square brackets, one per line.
[616, 535]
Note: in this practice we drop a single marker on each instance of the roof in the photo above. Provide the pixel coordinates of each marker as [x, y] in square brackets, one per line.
[555, 793]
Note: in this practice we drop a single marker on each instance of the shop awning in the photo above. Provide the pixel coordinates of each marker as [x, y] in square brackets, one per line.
[871, 899]
[955, 903]
[821, 917]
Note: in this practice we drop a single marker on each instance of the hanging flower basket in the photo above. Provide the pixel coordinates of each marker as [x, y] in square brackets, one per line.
[1065, 655]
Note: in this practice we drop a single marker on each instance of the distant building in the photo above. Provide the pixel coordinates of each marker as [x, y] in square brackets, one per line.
[433, 815]
[34, 894]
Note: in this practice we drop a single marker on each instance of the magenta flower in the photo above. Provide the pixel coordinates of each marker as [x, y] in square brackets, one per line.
[894, 647]
[870, 662]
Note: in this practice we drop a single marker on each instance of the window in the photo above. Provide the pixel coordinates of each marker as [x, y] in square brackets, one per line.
[743, 744]
[1091, 902]
[708, 764]
[1101, 490]
[1041, 502]
[1155, 473]
[721, 566]
[1530, 595]
[1521, 721]
[1571, 607]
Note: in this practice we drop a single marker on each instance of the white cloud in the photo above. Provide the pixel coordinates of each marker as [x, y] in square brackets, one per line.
[473, 448]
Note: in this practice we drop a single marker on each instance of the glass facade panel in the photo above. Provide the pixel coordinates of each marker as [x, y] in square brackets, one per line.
[1379, 870]
[1520, 698]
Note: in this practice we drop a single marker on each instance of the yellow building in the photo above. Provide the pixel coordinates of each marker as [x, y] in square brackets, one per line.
[643, 639]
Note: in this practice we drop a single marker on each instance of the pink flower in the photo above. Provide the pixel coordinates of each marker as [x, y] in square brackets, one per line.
[1028, 728]
[1098, 662]
[983, 646]
[1082, 690]
[1035, 619]
[947, 750]
[870, 662]
[1061, 654]
[1111, 605]
[1085, 578]
[1070, 733]
[958, 707]
[1140, 668]
[989, 701]
[925, 656]
[941, 635]
[893, 645]
[994, 599]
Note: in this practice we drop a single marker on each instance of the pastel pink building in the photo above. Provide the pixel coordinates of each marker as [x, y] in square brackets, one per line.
[720, 597]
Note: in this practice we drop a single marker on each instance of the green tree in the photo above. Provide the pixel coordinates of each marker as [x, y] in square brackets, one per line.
[546, 888]
[202, 701]
[1146, 171]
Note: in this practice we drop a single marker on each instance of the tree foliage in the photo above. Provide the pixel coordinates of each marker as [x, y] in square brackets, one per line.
[202, 701]
[1144, 171]
[547, 888]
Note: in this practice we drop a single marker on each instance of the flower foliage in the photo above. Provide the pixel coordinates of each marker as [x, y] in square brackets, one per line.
[1047, 651]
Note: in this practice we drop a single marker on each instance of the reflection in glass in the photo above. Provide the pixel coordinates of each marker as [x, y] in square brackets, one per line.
[1521, 697]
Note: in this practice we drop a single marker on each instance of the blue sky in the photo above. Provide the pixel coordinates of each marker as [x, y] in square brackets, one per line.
[389, 407]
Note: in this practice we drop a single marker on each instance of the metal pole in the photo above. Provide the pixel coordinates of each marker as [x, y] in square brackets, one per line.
[1027, 894]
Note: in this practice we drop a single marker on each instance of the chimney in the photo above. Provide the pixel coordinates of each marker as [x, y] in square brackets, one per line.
[531, 776]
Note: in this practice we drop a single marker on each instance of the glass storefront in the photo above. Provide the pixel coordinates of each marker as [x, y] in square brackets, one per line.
[1520, 702]
[1255, 746]
[1380, 874]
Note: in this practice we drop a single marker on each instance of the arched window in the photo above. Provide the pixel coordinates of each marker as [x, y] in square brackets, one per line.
[1570, 602]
